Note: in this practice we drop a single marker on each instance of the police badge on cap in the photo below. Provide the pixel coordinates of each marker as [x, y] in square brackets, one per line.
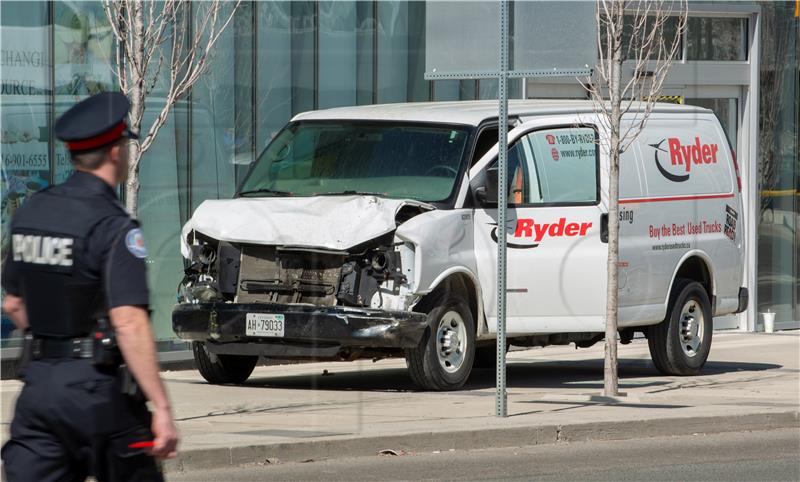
[95, 122]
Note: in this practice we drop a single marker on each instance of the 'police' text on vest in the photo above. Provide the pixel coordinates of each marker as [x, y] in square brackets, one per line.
[46, 250]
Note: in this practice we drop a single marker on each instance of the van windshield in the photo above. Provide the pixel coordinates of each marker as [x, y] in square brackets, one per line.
[323, 158]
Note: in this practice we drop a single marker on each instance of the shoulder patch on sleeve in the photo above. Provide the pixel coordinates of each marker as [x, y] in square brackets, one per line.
[135, 243]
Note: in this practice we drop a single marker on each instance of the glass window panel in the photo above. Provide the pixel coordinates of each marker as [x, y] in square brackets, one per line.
[164, 177]
[398, 161]
[160, 214]
[716, 38]
[304, 71]
[25, 112]
[565, 165]
[556, 166]
[489, 89]
[779, 165]
[274, 73]
[365, 51]
[446, 89]
[418, 87]
[629, 52]
[392, 51]
[244, 103]
[214, 120]
[337, 54]
[455, 89]
[84, 52]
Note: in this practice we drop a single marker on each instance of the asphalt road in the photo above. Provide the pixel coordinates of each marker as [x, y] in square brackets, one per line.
[741, 456]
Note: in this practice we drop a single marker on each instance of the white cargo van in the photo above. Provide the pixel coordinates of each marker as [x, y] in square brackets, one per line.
[371, 232]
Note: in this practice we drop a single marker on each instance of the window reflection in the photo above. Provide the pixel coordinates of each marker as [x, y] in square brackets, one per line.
[716, 38]
[24, 117]
[779, 166]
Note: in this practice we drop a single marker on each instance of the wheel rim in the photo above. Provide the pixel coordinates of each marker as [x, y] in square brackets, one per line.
[451, 341]
[692, 328]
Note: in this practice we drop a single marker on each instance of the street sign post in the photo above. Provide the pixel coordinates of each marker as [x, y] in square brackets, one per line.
[461, 26]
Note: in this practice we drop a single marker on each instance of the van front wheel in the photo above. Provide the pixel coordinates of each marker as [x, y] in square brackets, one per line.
[220, 369]
[680, 344]
[443, 359]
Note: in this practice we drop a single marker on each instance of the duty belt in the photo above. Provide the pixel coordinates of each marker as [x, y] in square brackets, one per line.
[61, 348]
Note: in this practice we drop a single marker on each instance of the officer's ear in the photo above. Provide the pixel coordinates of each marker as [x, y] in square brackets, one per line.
[118, 154]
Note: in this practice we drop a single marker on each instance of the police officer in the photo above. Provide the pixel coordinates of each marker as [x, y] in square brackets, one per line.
[77, 259]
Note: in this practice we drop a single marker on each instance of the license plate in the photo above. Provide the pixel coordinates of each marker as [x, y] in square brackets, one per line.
[262, 324]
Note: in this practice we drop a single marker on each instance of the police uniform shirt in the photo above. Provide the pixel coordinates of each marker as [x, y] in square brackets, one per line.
[114, 248]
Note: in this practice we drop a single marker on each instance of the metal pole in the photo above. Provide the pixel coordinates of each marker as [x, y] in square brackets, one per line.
[502, 175]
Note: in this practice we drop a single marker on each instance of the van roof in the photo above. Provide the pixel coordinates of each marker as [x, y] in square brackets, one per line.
[469, 112]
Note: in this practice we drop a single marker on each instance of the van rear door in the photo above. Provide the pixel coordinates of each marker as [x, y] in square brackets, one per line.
[556, 258]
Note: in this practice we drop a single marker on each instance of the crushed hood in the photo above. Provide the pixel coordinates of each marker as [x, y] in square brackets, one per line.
[332, 222]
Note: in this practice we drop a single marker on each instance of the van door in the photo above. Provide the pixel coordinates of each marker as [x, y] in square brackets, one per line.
[556, 258]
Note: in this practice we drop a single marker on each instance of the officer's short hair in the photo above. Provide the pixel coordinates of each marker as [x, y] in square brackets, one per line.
[94, 158]
[90, 159]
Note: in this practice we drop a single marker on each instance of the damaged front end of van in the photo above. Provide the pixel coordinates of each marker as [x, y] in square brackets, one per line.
[299, 278]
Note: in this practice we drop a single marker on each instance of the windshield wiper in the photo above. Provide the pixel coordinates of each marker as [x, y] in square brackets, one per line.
[352, 193]
[264, 190]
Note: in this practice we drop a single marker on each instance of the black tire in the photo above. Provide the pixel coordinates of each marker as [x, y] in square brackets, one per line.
[681, 346]
[220, 369]
[427, 369]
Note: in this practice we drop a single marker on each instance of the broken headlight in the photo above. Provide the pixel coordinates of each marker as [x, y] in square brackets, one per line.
[199, 284]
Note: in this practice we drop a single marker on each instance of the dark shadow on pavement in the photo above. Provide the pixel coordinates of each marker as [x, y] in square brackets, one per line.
[580, 375]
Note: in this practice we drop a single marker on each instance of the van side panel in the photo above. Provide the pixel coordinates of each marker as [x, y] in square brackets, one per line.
[443, 241]
[631, 186]
[730, 266]
[690, 204]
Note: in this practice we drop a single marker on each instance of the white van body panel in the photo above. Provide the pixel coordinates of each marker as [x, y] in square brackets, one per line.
[680, 214]
[442, 243]
[678, 202]
[332, 222]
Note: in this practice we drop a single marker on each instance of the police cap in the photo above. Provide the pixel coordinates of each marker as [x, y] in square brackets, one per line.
[95, 122]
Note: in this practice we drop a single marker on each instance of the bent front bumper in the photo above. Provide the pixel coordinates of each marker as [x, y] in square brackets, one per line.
[308, 330]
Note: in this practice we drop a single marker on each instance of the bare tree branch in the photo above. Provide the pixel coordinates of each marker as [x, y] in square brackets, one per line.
[154, 51]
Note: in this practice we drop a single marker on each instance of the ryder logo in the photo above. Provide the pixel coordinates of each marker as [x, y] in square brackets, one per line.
[684, 156]
[528, 233]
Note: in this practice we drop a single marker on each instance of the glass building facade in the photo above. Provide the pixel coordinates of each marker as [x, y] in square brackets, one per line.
[281, 58]
[778, 273]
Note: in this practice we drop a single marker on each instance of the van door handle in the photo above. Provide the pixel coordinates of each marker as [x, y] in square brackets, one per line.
[604, 227]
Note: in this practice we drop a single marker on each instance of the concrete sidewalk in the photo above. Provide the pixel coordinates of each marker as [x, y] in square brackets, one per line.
[323, 410]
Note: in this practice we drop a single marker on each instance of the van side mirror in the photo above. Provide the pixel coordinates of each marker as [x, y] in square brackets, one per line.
[487, 192]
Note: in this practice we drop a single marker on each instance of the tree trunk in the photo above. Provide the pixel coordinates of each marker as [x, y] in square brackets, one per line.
[610, 376]
[132, 184]
[137, 98]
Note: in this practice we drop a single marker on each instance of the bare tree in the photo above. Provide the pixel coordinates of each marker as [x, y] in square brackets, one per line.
[643, 36]
[160, 43]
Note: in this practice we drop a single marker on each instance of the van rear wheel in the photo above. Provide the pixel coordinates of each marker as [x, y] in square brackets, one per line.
[680, 344]
[219, 369]
[443, 359]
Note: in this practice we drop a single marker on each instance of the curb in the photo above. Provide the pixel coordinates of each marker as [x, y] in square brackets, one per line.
[212, 458]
